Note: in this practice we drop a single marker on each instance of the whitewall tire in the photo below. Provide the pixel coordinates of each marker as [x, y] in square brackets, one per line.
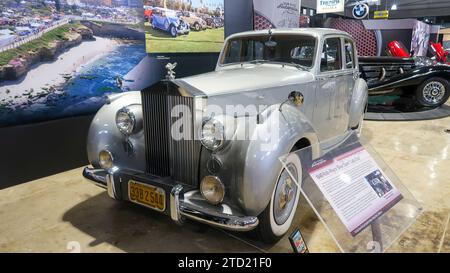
[277, 218]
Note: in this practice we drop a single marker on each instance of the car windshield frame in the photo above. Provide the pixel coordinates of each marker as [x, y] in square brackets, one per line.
[259, 37]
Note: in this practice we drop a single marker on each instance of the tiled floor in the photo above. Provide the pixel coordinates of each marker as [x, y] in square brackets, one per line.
[63, 212]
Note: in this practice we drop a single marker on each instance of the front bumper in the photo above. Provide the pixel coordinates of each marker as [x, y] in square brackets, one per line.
[181, 202]
[183, 29]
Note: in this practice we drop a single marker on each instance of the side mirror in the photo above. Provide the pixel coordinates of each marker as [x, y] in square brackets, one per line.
[297, 98]
[294, 97]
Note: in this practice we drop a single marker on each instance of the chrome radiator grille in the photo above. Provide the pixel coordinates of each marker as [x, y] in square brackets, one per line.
[166, 154]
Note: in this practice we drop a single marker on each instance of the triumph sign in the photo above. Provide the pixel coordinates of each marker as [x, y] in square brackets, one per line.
[330, 6]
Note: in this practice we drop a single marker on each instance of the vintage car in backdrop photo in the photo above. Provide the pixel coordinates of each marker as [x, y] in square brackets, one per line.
[169, 21]
[211, 21]
[422, 78]
[193, 20]
[304, 84]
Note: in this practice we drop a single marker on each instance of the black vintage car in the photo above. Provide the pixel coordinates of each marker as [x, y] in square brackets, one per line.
[423, 78]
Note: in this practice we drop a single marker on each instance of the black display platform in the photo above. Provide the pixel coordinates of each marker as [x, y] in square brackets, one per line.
[397, 108]
[41, 149]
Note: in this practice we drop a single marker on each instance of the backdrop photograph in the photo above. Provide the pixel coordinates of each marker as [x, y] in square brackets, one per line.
[61, 58]
[184, 26]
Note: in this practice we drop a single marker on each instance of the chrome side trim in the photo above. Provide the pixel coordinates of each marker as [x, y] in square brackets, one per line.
[175, 204]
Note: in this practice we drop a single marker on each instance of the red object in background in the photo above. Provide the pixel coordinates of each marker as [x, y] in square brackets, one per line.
[441, 54]
[148, 13]
[397, 49]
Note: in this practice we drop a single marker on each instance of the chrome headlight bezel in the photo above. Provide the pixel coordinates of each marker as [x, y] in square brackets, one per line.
[213, 141]
[129, 119]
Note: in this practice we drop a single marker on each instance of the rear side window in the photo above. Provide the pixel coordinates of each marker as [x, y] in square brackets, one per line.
[349, 54]
[331, 59]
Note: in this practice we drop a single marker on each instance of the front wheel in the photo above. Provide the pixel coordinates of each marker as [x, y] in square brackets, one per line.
[433, 92]
[173, 31]
[276, 219]
[197, 27]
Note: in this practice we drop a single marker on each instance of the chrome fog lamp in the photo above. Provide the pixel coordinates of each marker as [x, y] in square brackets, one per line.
[212, 189]
[105, 159]
[213, 134]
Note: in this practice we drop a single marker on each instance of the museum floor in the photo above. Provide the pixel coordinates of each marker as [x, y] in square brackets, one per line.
[60, 212]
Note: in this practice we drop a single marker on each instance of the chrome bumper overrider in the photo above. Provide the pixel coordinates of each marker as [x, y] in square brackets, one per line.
[188, 205]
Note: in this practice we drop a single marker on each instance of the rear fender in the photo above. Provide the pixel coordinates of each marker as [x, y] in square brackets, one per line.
[358, 102]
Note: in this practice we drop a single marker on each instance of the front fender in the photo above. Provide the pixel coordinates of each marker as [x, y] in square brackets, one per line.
[103, 134]
[358, 102]
[174, 21]
[262, 160]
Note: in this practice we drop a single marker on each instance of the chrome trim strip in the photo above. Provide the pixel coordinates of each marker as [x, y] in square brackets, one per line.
[194, 91]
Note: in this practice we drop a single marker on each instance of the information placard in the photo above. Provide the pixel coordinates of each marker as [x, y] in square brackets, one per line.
[354, 193]
[355, 186]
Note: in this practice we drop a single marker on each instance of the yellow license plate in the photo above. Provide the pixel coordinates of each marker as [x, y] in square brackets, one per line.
[146, 195]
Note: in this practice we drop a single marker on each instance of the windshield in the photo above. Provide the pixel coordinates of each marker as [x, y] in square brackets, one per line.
[290, 49]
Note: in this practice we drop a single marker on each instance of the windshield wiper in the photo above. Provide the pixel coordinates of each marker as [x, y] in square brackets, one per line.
[299, 66]
[260, 61]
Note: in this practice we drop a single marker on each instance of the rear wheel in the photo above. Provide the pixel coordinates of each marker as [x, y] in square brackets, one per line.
[433, 92]
[276, 219]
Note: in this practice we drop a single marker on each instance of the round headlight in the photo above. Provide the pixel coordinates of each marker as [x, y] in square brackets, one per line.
[213, 134]
[105, 159]
[125, 121]
[212, 189]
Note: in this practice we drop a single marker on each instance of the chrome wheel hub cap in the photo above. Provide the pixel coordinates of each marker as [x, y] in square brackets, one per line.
[285, 195]
[434, 92]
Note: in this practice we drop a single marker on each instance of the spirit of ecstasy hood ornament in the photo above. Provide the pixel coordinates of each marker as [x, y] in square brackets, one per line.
[170, 73]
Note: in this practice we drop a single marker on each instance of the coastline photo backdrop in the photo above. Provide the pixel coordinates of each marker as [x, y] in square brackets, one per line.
[62, 58]
[184, 26]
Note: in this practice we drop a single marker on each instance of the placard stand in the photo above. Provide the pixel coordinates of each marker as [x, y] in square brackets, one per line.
[358, 198]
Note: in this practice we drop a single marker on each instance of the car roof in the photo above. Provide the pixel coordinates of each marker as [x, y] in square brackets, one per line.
[293, 31]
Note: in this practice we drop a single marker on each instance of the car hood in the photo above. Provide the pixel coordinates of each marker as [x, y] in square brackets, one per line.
[247, 78]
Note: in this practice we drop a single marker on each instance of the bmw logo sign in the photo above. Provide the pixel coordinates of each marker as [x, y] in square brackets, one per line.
[360, 11]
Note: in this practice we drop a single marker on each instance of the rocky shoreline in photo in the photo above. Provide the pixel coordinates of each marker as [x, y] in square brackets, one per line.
[19, 66]
[75, 82]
